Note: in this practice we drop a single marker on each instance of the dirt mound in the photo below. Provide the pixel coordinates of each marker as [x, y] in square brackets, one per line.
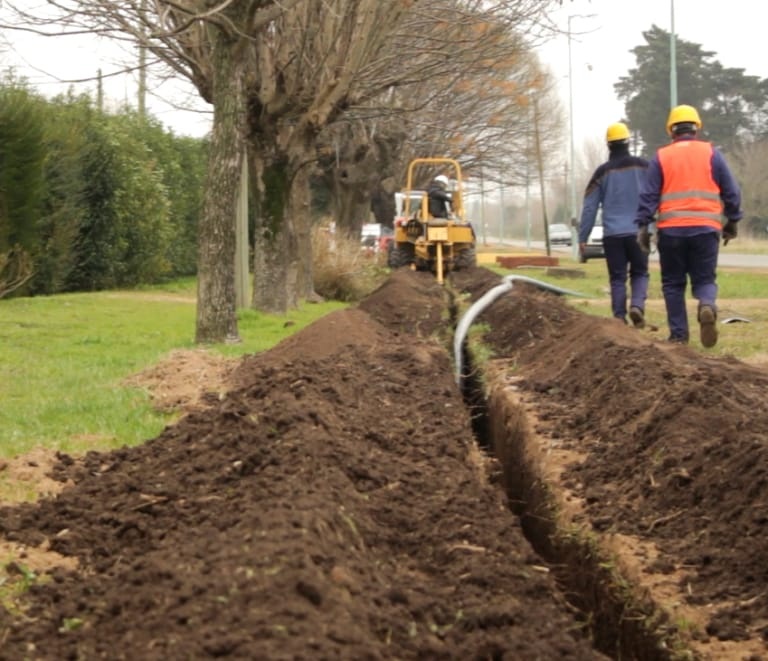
[185, 380]
[676, 445]
[331, 505]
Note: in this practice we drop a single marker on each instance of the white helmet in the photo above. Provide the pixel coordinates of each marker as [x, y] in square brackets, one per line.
[442, 179]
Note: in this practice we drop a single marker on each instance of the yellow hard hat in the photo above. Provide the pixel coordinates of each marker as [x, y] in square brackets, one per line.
[683, 115]
[617, 131]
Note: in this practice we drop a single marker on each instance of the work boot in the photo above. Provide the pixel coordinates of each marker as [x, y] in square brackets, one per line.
[677, 340]
[637, 317]
[707, 327]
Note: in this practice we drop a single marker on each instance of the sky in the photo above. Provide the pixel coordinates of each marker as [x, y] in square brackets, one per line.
[52, 65]
[605, 31]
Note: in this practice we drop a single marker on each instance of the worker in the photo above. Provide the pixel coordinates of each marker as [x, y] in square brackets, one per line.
[691, 186]
[439, 197]
[615, 188]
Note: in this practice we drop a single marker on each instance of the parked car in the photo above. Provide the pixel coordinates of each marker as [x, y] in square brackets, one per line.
[559, 234]
[387, 237]
[376, 237]
[594, 246]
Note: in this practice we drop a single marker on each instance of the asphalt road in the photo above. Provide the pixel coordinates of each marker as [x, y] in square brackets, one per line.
[728, 255]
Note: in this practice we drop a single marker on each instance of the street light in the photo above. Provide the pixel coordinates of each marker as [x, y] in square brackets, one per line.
[574, 241]
[672, 57]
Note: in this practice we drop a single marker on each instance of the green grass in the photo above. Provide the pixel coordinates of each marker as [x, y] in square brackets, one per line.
[742, 292]
[62, 360]
[747, 245]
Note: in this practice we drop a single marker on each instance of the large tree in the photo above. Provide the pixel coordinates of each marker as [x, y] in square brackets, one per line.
[732, 104]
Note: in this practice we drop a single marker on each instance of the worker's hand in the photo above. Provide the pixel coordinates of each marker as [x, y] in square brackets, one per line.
[644, 239]
[730, 231]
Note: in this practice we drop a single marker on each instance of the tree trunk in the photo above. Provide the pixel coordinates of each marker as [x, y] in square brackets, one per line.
[216, 296]
[299, 211]
[274, 251]
[283, 269]
[352, 205]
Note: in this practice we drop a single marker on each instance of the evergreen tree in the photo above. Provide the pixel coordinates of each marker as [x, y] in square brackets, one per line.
[731, 103]
[22, 154]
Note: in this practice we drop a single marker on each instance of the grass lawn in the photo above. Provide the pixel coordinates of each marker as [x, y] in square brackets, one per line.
[742, 293]
[63, 358]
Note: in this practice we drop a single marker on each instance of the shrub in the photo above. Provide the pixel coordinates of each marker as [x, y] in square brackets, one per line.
[342, 270]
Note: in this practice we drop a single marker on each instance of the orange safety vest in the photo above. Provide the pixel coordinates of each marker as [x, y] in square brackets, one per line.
[689, 195]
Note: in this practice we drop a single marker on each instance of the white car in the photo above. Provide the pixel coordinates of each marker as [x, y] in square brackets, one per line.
[594, 246]
[560, 234]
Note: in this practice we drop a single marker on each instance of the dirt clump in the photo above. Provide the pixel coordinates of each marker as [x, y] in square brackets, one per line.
[331, 504]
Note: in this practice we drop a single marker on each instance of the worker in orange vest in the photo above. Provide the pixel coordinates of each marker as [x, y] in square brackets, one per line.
[689, 184]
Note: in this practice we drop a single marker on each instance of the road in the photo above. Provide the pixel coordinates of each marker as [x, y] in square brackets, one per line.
[726, 257]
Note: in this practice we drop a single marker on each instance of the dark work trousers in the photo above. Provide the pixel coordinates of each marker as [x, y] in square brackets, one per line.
[623, 256]
[682, 257]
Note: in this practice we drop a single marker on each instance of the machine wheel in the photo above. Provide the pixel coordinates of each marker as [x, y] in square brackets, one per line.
[465, 259]
[399, 255]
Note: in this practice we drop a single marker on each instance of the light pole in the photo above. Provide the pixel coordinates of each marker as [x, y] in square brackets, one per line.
[573, 218]
[672, 57]
[574, 238]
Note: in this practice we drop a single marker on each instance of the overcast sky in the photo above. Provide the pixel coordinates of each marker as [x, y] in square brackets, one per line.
[53, 64]
[601, 44]
[604, 31]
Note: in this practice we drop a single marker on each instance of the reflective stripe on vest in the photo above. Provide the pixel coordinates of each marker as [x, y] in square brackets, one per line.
[689, 196]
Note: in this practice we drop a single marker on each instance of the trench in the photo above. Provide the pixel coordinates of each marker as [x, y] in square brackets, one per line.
[618, 617]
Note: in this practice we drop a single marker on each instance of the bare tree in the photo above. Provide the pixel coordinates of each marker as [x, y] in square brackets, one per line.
[749, 168]
[277, 73]
[465, 98]
[213, 46]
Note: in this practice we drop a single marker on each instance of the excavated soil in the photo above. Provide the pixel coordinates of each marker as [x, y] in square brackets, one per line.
[672, 447]
[331, 503]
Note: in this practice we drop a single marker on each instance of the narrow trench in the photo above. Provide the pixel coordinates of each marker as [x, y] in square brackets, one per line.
[619, 623]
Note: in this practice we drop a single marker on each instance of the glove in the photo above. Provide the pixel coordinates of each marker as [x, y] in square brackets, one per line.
[730, 231]
[644, 239]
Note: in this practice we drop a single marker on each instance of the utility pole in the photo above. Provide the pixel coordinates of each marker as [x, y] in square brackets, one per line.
[540, 165]
[482, 205]
[573, 209]
[501, 212]
[100, 91]
[672, 57]
[241, 239]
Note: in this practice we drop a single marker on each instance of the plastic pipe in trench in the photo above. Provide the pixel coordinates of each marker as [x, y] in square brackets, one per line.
[485, 300]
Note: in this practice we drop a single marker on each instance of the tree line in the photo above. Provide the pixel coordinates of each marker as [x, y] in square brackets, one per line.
[92, 200]
[331, 97]
[359, 85]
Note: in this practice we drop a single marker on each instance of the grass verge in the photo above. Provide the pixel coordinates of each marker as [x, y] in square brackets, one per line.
[62, 359]
[742, 293]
